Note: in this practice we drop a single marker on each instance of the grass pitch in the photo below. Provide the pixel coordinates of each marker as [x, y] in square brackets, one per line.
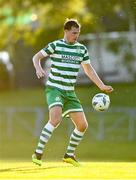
[62, 171]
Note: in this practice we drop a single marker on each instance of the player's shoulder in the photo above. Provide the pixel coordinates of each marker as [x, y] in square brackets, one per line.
[58, 41]
[81, 45]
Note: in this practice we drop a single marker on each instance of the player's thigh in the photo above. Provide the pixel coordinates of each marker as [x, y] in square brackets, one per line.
[55, 115]
[79, 120]
[72, 104]
[53, 97]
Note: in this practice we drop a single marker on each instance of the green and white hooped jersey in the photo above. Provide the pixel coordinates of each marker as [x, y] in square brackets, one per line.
[65, 63]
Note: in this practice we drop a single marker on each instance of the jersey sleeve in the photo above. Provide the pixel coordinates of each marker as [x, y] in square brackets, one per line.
[86, 59]
[49, 49]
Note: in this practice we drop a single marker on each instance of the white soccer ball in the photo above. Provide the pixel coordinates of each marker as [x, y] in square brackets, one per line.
[101, 102]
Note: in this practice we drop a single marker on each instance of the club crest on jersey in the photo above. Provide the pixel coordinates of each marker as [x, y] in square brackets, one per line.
[57, 98]
[78, 50]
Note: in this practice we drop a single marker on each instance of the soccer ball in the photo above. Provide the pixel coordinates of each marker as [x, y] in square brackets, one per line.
[101, 102]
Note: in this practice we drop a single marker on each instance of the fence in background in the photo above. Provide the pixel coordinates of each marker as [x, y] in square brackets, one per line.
[115, 124]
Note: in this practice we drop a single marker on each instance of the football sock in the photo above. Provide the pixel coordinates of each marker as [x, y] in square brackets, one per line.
[44, 137]
[75, 139]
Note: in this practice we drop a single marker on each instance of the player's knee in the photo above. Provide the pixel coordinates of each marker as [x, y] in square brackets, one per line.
[55, 119]
[55, 116]
[55, 122]
[82, 126]
[85, 126]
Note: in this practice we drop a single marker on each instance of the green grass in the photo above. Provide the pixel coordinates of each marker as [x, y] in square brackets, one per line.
[21, 145]
[22, 97]
[123, 95]
[62, 171]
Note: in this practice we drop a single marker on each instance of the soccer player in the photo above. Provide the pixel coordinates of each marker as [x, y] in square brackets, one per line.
[66, 56]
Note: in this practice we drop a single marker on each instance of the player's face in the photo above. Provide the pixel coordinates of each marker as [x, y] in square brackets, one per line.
[72, 34]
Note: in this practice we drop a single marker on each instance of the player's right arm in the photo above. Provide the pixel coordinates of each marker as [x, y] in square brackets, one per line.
[45, 52]
[37, 64]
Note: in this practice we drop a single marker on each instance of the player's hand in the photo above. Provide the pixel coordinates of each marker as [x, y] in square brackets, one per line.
[40, 73]
[107, 89]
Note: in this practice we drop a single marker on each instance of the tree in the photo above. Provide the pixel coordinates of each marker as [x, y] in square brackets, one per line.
[4, 77]
[33, 21]
[33, 24]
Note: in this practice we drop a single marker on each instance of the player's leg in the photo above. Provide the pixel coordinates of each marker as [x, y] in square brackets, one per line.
[55, 104]
[81, 125]
[79, 121]
[54, 120]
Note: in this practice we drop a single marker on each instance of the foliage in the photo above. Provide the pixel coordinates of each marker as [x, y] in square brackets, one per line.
[34, 21]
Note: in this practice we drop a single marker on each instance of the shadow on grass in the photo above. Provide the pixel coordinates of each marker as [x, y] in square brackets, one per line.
[28, 169]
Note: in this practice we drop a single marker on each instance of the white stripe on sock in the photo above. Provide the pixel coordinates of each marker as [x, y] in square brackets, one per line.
[70, 154]
[39, 151]
[73, 142]
[78, 132]
[46, 133]
[76, 138]
[49, 126]
[40, 145]
[43, 139]
[71, 148]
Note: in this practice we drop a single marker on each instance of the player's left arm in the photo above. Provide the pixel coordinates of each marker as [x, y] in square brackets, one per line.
[93, 76]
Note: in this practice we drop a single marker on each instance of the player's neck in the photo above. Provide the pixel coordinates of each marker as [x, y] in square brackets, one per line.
[67, 41]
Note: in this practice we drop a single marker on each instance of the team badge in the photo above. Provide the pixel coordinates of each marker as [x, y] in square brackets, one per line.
[57, 98]
[78, 50]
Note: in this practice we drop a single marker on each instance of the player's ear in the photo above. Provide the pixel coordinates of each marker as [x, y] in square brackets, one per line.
[66, 30]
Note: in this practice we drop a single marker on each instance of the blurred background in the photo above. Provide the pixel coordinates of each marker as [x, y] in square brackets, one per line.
[109, 32]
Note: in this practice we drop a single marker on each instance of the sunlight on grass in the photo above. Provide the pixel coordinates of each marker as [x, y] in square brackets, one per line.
[59, 170]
